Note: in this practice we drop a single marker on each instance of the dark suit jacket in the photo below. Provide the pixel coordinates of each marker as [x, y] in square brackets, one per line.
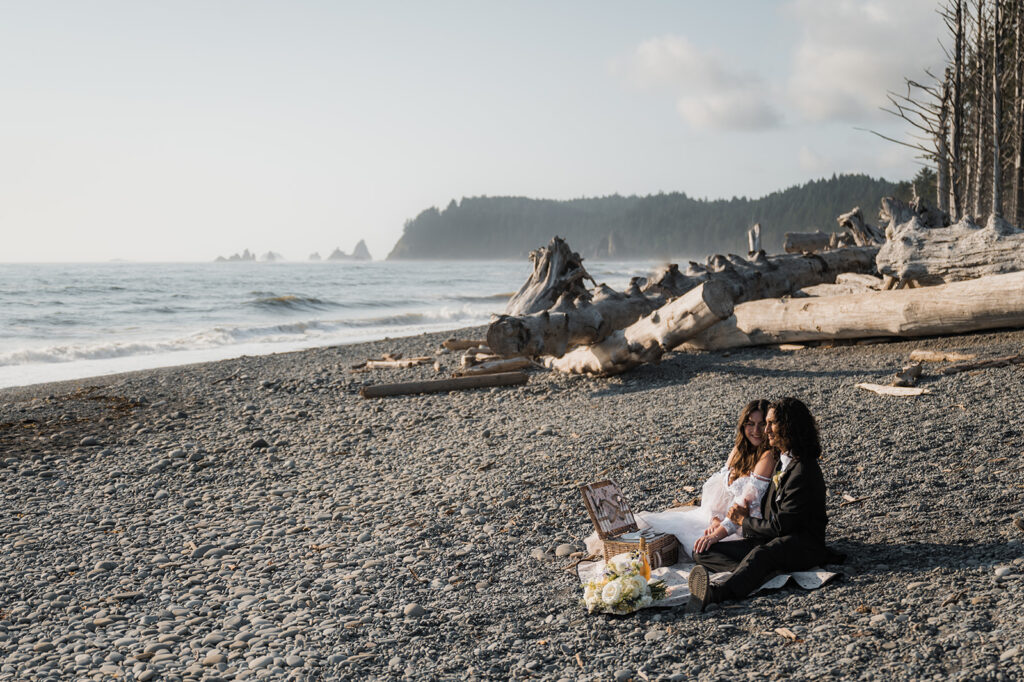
[795, 507]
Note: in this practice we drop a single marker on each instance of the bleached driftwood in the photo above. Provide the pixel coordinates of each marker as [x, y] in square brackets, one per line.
[443, 385]
[579, 323]
[462, 344]
[947, 254]
[920, 355]
[900, 391]
[846, 283]
[863, 233]
[650, 337]
[973, 305]
[495, 367]
[557, 271]
[895, 212]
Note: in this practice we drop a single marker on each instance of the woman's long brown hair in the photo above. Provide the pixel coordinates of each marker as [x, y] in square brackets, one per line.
[745, 453]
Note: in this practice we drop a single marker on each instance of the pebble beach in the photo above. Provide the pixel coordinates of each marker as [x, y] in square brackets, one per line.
[255, 518]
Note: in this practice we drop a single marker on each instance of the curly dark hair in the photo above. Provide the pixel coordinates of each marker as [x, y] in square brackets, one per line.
[746, 453]
[796, 425]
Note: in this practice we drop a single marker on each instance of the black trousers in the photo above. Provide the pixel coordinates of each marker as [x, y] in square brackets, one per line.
[751, 562]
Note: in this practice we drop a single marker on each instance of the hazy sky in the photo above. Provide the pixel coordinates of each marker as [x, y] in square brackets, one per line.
[182, 130]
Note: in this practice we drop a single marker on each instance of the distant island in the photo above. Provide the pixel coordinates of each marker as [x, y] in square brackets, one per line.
[360, 253]
[618, 227]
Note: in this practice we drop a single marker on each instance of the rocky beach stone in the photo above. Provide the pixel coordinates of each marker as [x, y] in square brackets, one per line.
[298, 559]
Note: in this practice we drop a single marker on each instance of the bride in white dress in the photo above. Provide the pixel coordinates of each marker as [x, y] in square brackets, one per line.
[743, 480]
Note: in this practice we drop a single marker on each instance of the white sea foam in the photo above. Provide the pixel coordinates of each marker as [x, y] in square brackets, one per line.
[92, 319]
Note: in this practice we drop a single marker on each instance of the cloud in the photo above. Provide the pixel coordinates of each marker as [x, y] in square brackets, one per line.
[851, 52]
[711, 95]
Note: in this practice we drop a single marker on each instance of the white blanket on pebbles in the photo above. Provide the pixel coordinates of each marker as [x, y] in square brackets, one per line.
[677, 580]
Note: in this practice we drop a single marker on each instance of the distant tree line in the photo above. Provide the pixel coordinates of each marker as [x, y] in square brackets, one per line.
[671, 226]
[968, 122]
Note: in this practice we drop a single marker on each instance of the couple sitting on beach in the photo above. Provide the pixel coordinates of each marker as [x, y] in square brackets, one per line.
[763, 512]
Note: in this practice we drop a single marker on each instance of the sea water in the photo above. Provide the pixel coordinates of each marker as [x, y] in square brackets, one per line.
[69, 321]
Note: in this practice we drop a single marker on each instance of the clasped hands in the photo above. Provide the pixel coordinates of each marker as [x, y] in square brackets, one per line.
[715, 531]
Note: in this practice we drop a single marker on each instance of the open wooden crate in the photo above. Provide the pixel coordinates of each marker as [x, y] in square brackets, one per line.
[617, 529]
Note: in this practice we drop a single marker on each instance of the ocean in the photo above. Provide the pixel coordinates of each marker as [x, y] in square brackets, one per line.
[70, 321]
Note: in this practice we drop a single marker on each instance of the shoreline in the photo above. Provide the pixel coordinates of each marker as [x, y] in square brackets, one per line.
[253, 517]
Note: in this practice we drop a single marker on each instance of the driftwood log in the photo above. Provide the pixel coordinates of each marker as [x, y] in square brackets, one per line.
[947, 254]
[863, 233]
[557, 271]
[494, 367]
[443, 385]
[649, 338]
[972, 305]
[585, 322]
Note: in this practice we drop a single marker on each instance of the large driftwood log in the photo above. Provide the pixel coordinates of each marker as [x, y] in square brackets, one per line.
[557, 271]
[947, 254]
[649, 338]
[973, 305]
[579, 323]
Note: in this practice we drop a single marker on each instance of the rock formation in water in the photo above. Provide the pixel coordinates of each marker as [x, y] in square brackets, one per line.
[315, 256]
[236, 258]
[359, 253]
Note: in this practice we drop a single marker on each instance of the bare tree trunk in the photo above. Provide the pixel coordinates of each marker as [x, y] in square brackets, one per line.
[956, 162]
[942, 150]
[997, 102]
[1018, 147]
[979, 132]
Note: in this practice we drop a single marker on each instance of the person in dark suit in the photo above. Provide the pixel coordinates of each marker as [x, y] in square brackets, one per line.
[791, 536]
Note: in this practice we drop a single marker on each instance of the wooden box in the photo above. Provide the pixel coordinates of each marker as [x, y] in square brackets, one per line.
[617, 529]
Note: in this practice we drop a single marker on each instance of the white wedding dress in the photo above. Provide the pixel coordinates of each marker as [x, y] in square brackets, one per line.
[688, 525]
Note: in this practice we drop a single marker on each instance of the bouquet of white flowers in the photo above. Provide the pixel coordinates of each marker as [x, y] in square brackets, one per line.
[622, 588]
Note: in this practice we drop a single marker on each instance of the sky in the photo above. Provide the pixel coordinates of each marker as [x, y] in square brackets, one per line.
[182, 130]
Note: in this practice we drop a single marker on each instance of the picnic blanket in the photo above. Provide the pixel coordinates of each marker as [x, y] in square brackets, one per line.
[676, 579]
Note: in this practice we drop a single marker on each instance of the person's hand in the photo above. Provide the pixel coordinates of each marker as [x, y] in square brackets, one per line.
[703, 543]
[737, 513]
[713, 526]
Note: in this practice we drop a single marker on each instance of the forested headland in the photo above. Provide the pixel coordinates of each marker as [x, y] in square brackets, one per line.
[671, 226]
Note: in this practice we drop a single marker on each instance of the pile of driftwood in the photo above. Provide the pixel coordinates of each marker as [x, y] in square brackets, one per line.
[917, 276]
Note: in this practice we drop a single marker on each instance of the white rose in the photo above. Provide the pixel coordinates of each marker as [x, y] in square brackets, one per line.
[639, 585]
[612, 592]
[621, 563]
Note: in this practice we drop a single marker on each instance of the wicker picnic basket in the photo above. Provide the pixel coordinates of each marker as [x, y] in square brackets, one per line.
[617, 529]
